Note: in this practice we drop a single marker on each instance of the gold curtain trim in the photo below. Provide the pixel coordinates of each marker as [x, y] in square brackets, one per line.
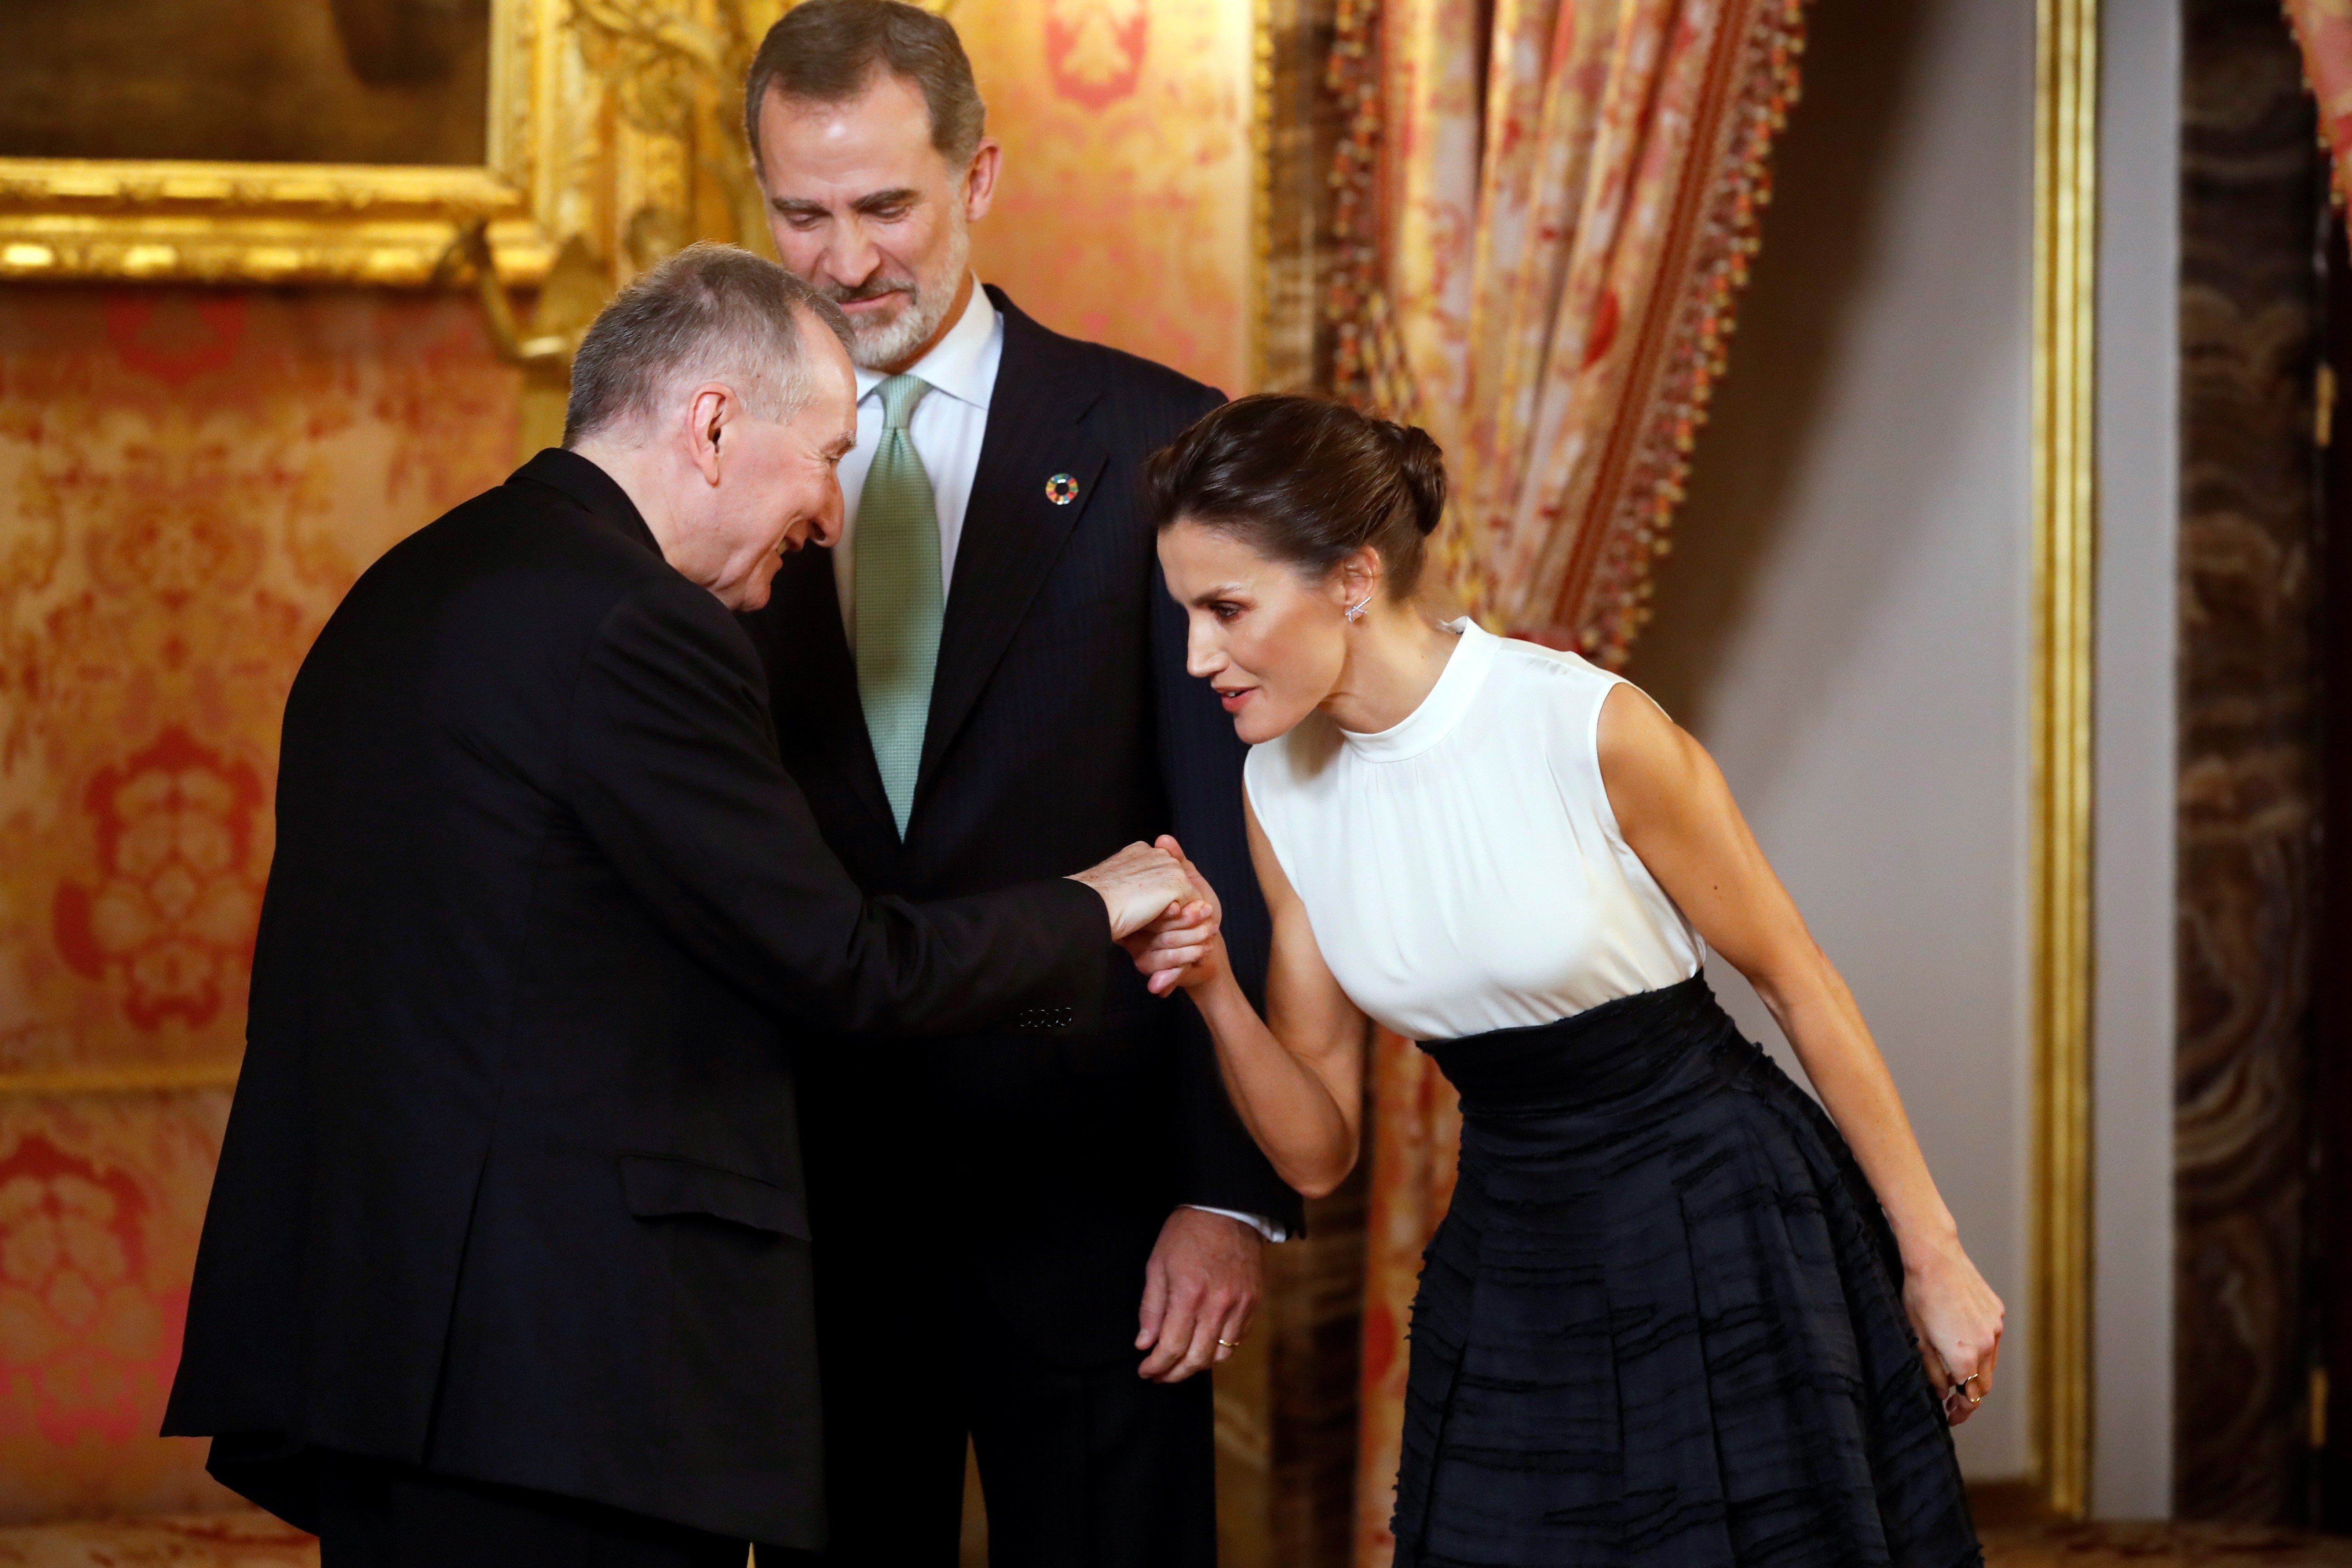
[1603, 597]
[1682, 354]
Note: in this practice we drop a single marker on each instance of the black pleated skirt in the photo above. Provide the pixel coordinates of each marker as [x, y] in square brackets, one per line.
[1662, 1324]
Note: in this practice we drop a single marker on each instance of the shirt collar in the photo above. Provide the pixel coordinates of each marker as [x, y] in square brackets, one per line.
[958, 363]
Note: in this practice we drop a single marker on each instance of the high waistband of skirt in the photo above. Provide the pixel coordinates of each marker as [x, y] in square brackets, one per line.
[1618, 1048]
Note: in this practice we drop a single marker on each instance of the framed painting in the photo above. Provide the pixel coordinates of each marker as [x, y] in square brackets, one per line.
[278, 141]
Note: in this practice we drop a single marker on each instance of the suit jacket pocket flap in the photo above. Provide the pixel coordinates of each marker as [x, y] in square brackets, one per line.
[657, 1185]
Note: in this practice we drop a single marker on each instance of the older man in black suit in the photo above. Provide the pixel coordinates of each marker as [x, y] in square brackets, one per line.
[990, 676]
[507, 1262]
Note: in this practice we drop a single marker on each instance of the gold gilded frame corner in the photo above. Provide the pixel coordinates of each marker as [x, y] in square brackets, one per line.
[2064, 552]
[165, 219]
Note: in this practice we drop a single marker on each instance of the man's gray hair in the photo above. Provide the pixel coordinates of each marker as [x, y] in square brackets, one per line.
[711, 312]
[827, 51]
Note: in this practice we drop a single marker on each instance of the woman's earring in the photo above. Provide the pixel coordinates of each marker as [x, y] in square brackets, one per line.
[1356, 612]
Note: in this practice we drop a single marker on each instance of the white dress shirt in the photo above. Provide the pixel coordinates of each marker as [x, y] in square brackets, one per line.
[947, 428]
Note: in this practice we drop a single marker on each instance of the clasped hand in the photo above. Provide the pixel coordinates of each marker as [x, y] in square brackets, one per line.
[1185, 946]
[1143, 888]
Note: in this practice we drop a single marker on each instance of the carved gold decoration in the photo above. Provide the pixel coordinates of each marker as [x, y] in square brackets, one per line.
[574, 291]
[2065, 544]
[674, 70]
[669, 164]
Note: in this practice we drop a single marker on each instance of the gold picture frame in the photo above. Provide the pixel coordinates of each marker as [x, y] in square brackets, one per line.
[178, 220]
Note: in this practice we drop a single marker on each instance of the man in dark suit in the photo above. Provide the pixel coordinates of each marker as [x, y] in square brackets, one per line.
[508, 1261]
[992, 677]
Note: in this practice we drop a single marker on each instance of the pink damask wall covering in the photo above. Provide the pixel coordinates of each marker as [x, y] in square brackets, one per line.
[1123, 212]
[188, 483]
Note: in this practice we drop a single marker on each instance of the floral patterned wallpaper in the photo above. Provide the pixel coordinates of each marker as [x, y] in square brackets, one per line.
[188, 483]
[1123, 212]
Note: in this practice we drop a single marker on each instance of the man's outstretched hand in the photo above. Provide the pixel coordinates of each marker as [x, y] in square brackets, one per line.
[1138, 885]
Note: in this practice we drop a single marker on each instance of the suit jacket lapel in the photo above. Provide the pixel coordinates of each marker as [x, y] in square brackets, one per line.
[817, 683]
[1013, 530]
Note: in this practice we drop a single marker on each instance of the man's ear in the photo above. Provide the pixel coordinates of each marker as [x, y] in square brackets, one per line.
[979, 178]
[709, 414]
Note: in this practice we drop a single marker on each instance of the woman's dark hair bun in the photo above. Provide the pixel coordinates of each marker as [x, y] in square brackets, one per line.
[1423, 461]
[1305, 480]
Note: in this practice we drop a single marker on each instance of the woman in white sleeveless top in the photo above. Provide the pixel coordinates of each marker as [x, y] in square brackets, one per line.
[1674, 1316]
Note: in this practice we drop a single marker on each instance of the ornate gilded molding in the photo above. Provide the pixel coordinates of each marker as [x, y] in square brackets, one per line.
[611, 125]
[2065, 556]
[283, 222]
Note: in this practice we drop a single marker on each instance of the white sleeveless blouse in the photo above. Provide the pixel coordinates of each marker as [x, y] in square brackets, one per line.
[1464, 871]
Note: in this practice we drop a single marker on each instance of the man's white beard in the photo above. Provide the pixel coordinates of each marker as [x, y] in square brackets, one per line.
[886, 343]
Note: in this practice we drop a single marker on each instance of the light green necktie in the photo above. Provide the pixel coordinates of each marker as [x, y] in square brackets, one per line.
[899, 597]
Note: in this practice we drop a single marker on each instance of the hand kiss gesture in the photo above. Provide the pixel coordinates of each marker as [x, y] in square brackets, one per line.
[1184, 947]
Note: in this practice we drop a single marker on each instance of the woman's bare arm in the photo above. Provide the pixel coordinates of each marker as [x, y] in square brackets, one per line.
[1296, 1076]
[1677, 814]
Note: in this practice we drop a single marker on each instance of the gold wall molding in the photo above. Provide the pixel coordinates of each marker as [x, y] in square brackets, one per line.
[145, 1078]
[2065, 555]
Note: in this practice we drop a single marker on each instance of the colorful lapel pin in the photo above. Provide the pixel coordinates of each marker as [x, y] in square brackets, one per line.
[1062, 489]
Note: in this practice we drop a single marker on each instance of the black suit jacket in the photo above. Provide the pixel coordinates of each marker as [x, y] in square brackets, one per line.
[511, 1186]
[1062, 723]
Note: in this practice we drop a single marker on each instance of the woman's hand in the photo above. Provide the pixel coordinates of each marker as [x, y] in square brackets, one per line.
[1181, 950]
[1676, 813]
[1186, 946]
[1958, 1321]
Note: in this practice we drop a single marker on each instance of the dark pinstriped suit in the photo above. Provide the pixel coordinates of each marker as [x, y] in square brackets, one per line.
[984, 1219]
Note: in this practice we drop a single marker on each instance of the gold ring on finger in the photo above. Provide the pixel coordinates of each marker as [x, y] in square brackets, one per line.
[1230, 1344]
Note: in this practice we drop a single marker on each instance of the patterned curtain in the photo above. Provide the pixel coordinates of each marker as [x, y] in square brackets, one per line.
[1545, 209]
[2324, 29]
